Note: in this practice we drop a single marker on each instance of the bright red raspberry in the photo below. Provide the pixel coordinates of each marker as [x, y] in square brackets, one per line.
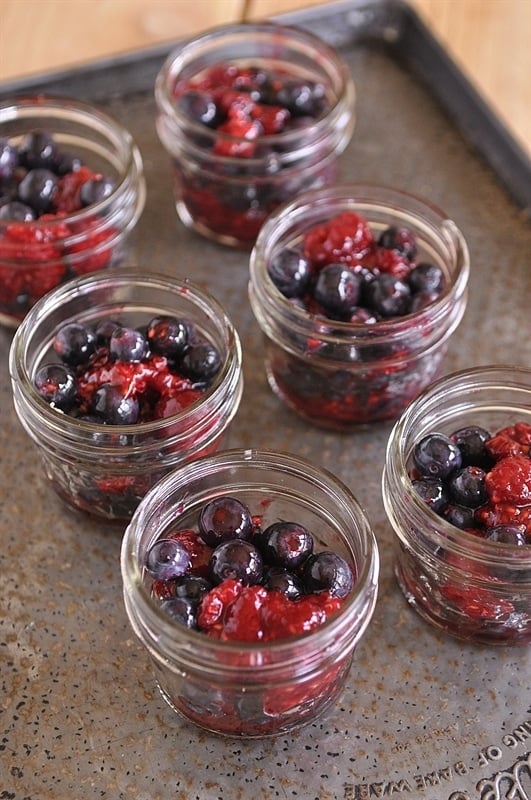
[391, 261]
[509, 481]
[243, 619]
[515, 440]
[66, 198]
[345, 239]
[214, 606]
[272, 118]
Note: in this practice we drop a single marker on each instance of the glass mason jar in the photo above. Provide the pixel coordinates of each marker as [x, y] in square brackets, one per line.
[343, 374]
[252, 689]
[36, 255]
[105, 469]
[227, 179]
[469, 586]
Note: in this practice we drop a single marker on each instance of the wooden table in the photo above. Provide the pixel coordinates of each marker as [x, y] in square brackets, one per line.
[489, 39]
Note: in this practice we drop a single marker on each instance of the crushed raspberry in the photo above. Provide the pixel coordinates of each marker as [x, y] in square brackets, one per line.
[199, 551]
[383, 259]
[66, 199]
[346, 239]
[509, 481]
[214, 606]
[273, 119]
[477, 603]
[514, 440]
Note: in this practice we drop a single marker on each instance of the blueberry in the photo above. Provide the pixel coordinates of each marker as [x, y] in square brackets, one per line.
[201, 107]
[337, 290]
[8, 159]
[286, 544]
[278, 579]
[56, 384]
[38, 149]
[17, 212]
[37, 189]
[74, 344]
[113, 408]
[290, 272]
[104, 330]
[426, 277]
[403, 240]
[507, 534]
[201, 361]
[460, 516]
[181, 610]
[471, 442]
[66, 162]
[467, 487]
[167, 559]
[95, 189]
[328, 572]
[236, 559]
[387, 295]
[224, 518]
[128, 344]
[433, 492]
[168, 336]
[436, 456]
[192, 587]
[302, 98]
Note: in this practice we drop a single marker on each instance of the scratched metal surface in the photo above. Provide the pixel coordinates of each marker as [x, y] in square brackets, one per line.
[422, 715]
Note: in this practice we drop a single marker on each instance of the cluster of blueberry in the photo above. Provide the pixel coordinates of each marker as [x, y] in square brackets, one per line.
[233, 579]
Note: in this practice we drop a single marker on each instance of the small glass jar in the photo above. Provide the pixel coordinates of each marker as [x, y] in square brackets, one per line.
[227, 180]
[101, 469]
[252, 689]
[468, 586]
[343, 374]
[38, 255]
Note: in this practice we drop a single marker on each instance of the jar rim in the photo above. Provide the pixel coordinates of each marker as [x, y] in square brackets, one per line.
[190, 640]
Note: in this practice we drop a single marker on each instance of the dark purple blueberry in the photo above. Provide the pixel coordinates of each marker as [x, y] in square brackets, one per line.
[181, 610]
[37, 189]
[236, 559]
[104, 330]
[201, 107]
[8, 159]
[224, 518]
[420, 300]
[201, 361]
[387, 295]
[460, 516]
[278, 579]
[167, 559]
[471, 442]
[128, 344]
[16, 211]
[403, 240]
[436, 456]
[507, 534]
[38, 149]
[328, 572]
[75, 344]
[95, 189]
[302, 98]
[113, 408]
[433, 492]
[337, 290]
[192, 587]
[56, 384]
[426, 277]
[467, 487]
[286, 544]
[290, 272]
[168, 336]
[66, 162]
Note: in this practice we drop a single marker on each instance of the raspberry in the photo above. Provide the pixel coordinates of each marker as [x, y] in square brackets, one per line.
[345, 239]
[509, 481]
[514, 440]
[199, 551]
[273, 119]
[388, 261]
[214, 605]
[243, 618]
[67, 196]
[477, 603]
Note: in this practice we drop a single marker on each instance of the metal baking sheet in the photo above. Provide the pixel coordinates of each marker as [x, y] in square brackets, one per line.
[422, 716]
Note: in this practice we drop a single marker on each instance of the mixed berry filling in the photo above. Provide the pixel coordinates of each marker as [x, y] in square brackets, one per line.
[481, 483]
[113, 374]
[41, 246]
[344, 271]
[233, 579]
[243, 111]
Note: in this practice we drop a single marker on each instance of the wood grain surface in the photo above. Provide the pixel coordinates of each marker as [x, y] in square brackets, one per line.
[490, 40]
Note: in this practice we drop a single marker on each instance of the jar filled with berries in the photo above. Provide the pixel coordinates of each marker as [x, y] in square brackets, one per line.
[357, 290]
[457, 492]
[250, 577]
[72, 190]
[119, 377]
[251, 115]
